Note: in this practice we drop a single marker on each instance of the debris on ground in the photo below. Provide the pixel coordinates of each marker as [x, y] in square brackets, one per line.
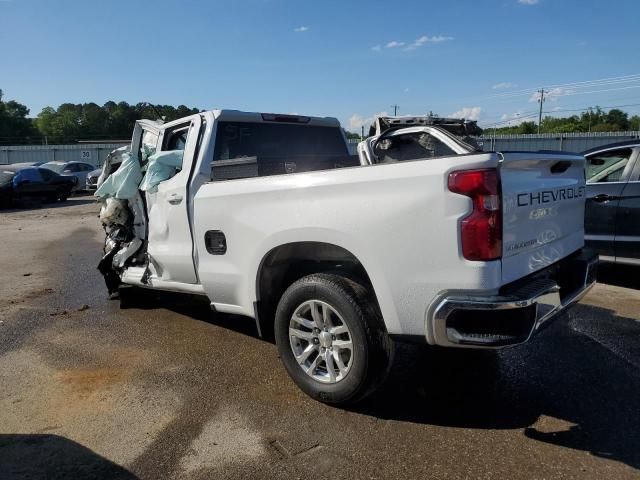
[83, 307]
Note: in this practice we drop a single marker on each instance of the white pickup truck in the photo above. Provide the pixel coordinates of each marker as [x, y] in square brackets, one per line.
[422, 238]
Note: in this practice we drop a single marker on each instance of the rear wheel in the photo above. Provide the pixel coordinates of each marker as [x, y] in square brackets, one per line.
[331, 338]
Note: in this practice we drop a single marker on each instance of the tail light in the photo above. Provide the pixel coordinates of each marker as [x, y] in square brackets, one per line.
[481, 230]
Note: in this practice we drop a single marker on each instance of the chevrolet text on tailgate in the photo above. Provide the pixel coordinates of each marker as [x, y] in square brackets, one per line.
[420, 237]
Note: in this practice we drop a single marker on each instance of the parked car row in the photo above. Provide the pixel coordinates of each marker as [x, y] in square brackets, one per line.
[33, 182]
[50, 181]
[79, 170]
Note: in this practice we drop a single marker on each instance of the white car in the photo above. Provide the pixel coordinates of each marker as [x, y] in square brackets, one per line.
[423, 238]
[92, 179]
[79, 170]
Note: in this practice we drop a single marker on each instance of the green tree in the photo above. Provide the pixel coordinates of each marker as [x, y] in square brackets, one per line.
[527, 128]
[351, 135]
[618, 119]
[93, 120]
[15, 125]
[593, 120]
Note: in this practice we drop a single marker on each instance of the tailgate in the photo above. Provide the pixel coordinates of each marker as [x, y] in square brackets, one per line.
[543, 210]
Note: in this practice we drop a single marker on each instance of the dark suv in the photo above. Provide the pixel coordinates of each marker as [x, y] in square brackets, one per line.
[612, 217]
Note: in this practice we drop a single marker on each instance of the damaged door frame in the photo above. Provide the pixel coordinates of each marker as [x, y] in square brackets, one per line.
[139, 276]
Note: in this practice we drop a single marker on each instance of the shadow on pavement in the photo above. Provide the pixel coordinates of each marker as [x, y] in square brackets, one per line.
[52, 456]
[563, 388]
[576, 385]
[23, 204]
[194, 306]
[626, 276]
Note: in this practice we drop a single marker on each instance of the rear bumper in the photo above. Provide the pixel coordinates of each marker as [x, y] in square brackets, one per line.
[518, 311]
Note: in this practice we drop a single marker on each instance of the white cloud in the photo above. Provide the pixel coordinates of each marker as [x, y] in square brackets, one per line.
[406, 90]
[419, 42]
[551, 95]
[301, 29]
[528, 2]
[503, 85]
[356, 121]
[468, 113]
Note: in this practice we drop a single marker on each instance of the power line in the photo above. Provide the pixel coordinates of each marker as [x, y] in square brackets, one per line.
[519, 117]
[532, 114]
[587, 108]
[596, 91]
[584, 84]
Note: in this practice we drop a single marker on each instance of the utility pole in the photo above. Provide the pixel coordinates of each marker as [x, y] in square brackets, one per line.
[395, 109]
[493, 146]
[589, 119]
[362, 133]
[541, 100]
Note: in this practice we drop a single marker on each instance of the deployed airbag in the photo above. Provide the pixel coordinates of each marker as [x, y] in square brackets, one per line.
[161, 166]
[123, 183]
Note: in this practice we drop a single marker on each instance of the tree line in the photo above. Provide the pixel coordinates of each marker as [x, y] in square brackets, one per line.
[71, 122]
[82, 121]
[592, 120]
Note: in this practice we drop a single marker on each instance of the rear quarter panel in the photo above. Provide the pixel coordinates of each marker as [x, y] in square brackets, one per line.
[399, 220]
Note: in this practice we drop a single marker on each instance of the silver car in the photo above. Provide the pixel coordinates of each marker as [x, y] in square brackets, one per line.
[92, 179]
[79, 170]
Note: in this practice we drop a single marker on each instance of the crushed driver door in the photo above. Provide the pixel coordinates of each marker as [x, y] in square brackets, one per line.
[170, 246]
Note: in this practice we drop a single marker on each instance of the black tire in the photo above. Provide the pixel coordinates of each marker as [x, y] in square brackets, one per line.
[372, 348]
[63, 196]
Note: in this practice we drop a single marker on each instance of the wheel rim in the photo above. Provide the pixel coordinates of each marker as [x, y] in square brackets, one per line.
[321, 341]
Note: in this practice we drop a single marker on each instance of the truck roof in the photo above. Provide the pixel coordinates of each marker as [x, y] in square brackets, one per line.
[257, 117]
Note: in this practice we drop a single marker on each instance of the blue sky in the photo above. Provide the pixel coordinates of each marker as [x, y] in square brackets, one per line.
[481, 59]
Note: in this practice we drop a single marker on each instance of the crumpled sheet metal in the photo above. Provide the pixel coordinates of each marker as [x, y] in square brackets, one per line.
[114, 212]
[126, 252]
[115, 157]
[123, 183]
[160, 167]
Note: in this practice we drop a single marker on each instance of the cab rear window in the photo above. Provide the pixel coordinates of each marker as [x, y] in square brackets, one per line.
[245, 149]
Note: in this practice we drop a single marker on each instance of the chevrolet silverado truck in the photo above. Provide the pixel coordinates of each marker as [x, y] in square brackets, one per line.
[421, 237]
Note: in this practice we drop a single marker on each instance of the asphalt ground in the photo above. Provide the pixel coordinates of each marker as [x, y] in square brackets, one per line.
[169, 389]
